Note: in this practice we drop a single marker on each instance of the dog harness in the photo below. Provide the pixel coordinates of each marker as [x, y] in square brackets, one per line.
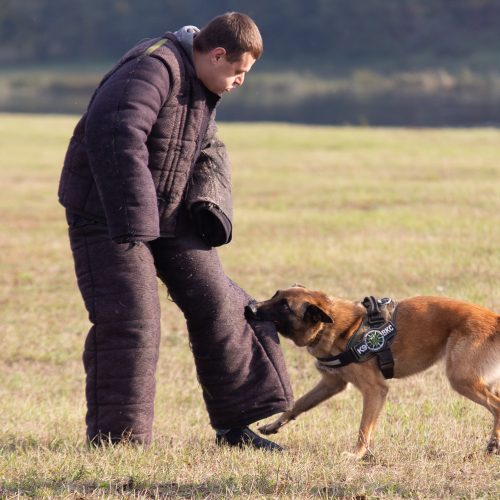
[372, 338]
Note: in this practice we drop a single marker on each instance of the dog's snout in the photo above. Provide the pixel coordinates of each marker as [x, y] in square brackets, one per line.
[251, 310]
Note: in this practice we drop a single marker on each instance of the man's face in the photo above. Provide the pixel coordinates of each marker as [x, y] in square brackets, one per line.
[218, 74]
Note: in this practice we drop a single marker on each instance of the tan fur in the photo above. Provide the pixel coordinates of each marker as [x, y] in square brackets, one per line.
[428, 328]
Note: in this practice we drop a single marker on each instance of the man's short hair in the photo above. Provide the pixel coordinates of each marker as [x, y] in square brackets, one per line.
[233, 31]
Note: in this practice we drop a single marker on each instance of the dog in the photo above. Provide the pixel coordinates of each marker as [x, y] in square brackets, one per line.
[423, 330]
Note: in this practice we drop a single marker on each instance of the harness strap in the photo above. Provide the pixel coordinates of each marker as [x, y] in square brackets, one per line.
[374, 317]
[386, 363]
[342, 359]
[155, 46]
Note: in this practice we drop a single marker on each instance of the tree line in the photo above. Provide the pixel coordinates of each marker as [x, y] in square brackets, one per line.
[313, 34]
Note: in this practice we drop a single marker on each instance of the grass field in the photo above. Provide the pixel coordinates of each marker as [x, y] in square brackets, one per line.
[352, 211]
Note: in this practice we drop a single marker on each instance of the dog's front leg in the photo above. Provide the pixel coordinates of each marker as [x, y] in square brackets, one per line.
[374, 395]
[328, 386]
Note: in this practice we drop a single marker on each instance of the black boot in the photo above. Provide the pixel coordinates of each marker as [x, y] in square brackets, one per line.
[242, 437]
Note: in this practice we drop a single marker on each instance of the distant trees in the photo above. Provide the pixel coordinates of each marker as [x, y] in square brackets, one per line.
[315, 33]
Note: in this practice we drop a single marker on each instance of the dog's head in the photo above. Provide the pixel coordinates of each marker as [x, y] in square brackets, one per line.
[297, 312]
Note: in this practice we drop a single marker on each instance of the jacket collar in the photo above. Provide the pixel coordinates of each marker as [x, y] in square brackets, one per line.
[187, 58]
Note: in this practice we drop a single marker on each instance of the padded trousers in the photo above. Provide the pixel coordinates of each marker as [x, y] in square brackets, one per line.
[239, 364]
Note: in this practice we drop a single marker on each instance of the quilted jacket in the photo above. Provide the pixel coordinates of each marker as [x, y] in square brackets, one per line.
[148, 126]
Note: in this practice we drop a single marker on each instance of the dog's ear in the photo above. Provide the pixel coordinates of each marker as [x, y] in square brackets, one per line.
[314, 314]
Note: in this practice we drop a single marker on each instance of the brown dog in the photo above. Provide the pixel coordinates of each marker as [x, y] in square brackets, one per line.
[427, 328]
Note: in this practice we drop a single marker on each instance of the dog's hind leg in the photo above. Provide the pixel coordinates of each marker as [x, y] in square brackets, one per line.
[486, 394]
[328, 386]
[494, 443]
[480, 393]
[493, 397]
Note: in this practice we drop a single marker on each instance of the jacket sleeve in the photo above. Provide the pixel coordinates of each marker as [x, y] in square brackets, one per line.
[209, 195]
[211, 180]
[119, 121]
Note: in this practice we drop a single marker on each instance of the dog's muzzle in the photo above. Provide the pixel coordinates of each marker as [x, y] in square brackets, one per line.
[251, 311]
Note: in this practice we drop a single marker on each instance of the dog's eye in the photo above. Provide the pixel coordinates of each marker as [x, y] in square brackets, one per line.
[284, 305]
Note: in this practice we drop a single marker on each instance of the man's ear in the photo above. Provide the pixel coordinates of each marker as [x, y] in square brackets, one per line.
[314, 314]
[217, 54]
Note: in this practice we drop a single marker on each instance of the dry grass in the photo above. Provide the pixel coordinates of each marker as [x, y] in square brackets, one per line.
[353, 211]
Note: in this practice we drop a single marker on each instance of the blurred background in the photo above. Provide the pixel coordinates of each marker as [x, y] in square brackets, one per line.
[370, 62]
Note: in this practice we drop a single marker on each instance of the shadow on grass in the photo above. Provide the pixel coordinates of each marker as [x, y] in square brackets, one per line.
[207, 489]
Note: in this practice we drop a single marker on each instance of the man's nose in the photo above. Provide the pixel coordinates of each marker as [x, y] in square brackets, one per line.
[239, 80]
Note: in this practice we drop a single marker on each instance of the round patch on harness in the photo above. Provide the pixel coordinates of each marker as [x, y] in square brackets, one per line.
[374, 340]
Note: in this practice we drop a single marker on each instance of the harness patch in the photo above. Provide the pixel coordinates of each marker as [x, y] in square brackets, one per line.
[375, 340]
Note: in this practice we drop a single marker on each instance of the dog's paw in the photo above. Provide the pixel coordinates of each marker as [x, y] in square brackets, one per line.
[357, 456]
[269, 428]
[350, 456]
[493, 447]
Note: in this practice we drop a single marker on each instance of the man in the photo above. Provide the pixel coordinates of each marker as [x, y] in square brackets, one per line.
[146, 188]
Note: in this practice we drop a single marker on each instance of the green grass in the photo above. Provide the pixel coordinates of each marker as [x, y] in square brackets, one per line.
[352, 211]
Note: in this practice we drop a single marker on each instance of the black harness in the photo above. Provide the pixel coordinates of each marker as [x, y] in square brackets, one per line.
[372, 338]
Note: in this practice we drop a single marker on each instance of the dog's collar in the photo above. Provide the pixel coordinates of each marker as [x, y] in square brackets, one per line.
[373, 338]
